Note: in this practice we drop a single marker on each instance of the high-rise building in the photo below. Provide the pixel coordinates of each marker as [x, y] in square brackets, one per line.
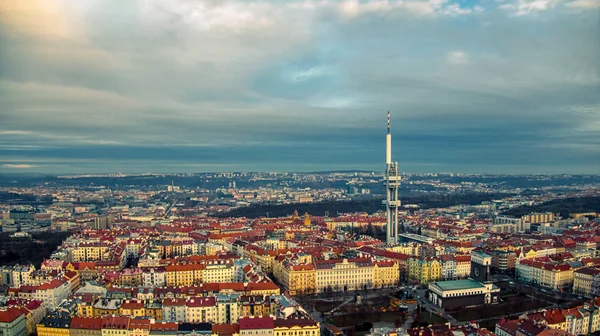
[102, 222]
[392, 180]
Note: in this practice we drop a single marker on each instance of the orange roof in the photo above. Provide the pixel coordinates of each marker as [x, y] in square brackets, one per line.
[132, 305]
[225, 329]
[261, 286]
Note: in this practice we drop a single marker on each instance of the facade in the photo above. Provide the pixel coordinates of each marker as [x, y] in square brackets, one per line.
[12, 322]
[296, 326]
[503, 261]
[462, 293]
[174, 310]
[86, 326]
[346, 274]
[448, 267]
[154, 277]
[228, 308]
[463, 266]
[481, 264]
[262, 326]
[548, 274]
[386, 274]
[201, 309]
[583, 279]
[299, 279]
[423, 270]
[21, 275]
[54, 325]
[115, 325]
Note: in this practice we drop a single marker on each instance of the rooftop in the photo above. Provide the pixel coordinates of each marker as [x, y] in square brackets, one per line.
[458, 284]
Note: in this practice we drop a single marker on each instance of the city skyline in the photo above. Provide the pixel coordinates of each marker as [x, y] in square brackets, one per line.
[473, 86]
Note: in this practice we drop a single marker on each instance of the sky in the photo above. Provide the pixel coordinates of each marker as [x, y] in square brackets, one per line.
[474, 86]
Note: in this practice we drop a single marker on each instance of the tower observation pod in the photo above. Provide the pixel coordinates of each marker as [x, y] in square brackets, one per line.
[392, 181]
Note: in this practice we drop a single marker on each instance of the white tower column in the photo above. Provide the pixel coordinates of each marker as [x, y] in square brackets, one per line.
[392, 181]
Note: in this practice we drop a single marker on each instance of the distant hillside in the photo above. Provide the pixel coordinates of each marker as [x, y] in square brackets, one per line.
[562, 206]
[369, 206]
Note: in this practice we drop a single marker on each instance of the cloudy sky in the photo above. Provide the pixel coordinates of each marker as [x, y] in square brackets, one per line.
[506, 86]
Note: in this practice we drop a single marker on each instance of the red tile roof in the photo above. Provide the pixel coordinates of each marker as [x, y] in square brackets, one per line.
[9, 314]
[139, 323]
[250, 323]
[225, 329]
[89, 323]
[163, 326]
[202, 302]
[115, 322]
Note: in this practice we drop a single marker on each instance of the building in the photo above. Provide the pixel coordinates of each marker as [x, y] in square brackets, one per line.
[228, 308]
[300, 325]
[503, 261]
[34, 311]
[21, 275]
[174, 310]
[86, 326]
[256, 326]
[299, 279]
[12, 322]
[554, 275]
[22, 217]
[583, 279]
[475, 291]
[139, 326]
[537, 218]
[55, 324]
[423, 270]
[201, 309]
[154, 277]
[102, 222]
[345, 274]
[462, 293]
[115, 325]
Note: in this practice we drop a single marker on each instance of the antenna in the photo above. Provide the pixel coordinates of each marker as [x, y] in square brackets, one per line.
[388, 129]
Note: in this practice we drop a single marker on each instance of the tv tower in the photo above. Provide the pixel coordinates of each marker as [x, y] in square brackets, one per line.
[392, 180]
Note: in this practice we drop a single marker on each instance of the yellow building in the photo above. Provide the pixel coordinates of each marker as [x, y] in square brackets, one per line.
[299, 326]
[262, 288]
[90, 252]
[264, 258]
[424, 270]
[256, 306]
[386, 274]
[344, 274]
[54, 325]
[132, 308]
[85, 309]
[306, 219]
[154, 310]
[299, 279]
[184, 275]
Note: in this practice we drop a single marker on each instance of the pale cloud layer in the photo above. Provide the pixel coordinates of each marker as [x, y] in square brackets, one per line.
[482, 86]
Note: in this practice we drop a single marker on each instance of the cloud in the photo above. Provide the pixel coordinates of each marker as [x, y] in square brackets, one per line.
[524, 7]
[584, 4]
[195, 82]
[457, 57]
[18, 166]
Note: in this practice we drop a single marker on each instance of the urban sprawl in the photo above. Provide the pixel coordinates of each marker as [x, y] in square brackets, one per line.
[167, 261]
